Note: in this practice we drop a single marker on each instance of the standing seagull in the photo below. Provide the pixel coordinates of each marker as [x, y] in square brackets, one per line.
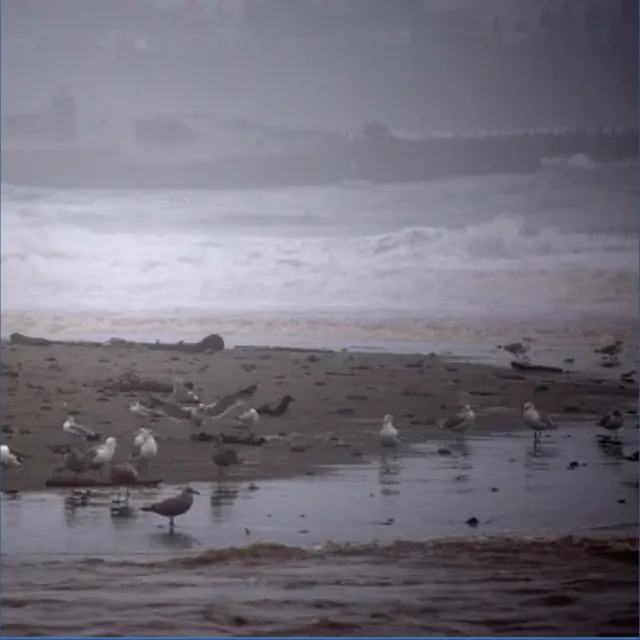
[224, 458]
[612, 422]
[518, 349]
[10, 459]
[145, 447]
[388, 433]
[100, 457]
[460, 422]
[173, 507]
[249, 418]
[611, 351]
[77, 431]
[536, 421]
[73, 461]
[123, 475]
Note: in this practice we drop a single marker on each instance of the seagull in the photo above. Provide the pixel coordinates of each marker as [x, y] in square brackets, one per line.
[145, 446]
[388, 433]
[139, 409]
[175, 412]
[612, 422]
[536, 421]
[100, 457]
[173, 507]
[77, 431]
[224, 458]
[73, 461]
[518, 349]
[611, 351]
[223, 405]
[249, 418]
[10, 459]
[183, 392]
[460, 422]
[123, 475]
[276, 409]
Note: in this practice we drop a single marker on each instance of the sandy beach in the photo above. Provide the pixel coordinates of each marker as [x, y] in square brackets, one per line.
[340, 399]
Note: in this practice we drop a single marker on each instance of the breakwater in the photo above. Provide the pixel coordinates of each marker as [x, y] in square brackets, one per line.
[374, 155]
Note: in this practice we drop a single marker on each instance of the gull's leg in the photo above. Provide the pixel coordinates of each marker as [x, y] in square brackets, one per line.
[171, 524]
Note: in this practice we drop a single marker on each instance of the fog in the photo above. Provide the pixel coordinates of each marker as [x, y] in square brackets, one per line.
[322, 63]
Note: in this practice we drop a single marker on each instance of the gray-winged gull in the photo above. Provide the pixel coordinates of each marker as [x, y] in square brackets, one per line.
[73, 461]
[276, 409]
[518, 349]
[536, 421]
[224, 458]
[78, 431]
[611, 351]
[388, 433]
[173, 507]
[460, 422]
[123, 474]
[612, 422]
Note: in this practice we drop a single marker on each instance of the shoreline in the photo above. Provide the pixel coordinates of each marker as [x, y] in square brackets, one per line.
[340, 400]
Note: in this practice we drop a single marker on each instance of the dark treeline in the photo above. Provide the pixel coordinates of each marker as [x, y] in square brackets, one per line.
[356, 60]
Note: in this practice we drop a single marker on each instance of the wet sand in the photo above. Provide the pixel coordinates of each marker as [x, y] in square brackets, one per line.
[368, 545]
[340, 400]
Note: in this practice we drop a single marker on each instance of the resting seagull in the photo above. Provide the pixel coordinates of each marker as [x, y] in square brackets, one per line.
[78, 431]
[460, 422]
[249, 418]
[183, 393]
[10, 459]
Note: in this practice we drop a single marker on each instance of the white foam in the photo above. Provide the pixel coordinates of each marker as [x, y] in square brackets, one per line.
[375, 253]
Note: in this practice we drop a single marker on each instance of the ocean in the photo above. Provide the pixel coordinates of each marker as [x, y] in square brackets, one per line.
[458, 264]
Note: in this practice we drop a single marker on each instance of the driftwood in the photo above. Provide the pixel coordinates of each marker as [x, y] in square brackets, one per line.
[67, 482]
[534, 368]
[250, 440]
[212, 342]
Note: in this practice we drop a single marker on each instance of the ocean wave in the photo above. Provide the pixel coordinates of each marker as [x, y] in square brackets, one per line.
[422, 250]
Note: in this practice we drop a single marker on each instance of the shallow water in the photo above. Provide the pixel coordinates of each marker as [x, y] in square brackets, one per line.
[91, 566]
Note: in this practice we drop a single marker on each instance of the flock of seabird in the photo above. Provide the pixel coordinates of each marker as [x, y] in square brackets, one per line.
[184, 405]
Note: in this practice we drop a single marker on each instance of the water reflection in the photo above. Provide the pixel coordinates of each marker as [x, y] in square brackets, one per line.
[181, 540]
[222, 499]
[427, 493]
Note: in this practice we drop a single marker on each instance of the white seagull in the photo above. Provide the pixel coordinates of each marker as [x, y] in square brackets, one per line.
[460, 422]
[536, 421]
[249, 418]
[78, 431]
[101, 456]
[10, 460]
[138, 409]
[388, 434]
[145, 446]
[612, 422]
